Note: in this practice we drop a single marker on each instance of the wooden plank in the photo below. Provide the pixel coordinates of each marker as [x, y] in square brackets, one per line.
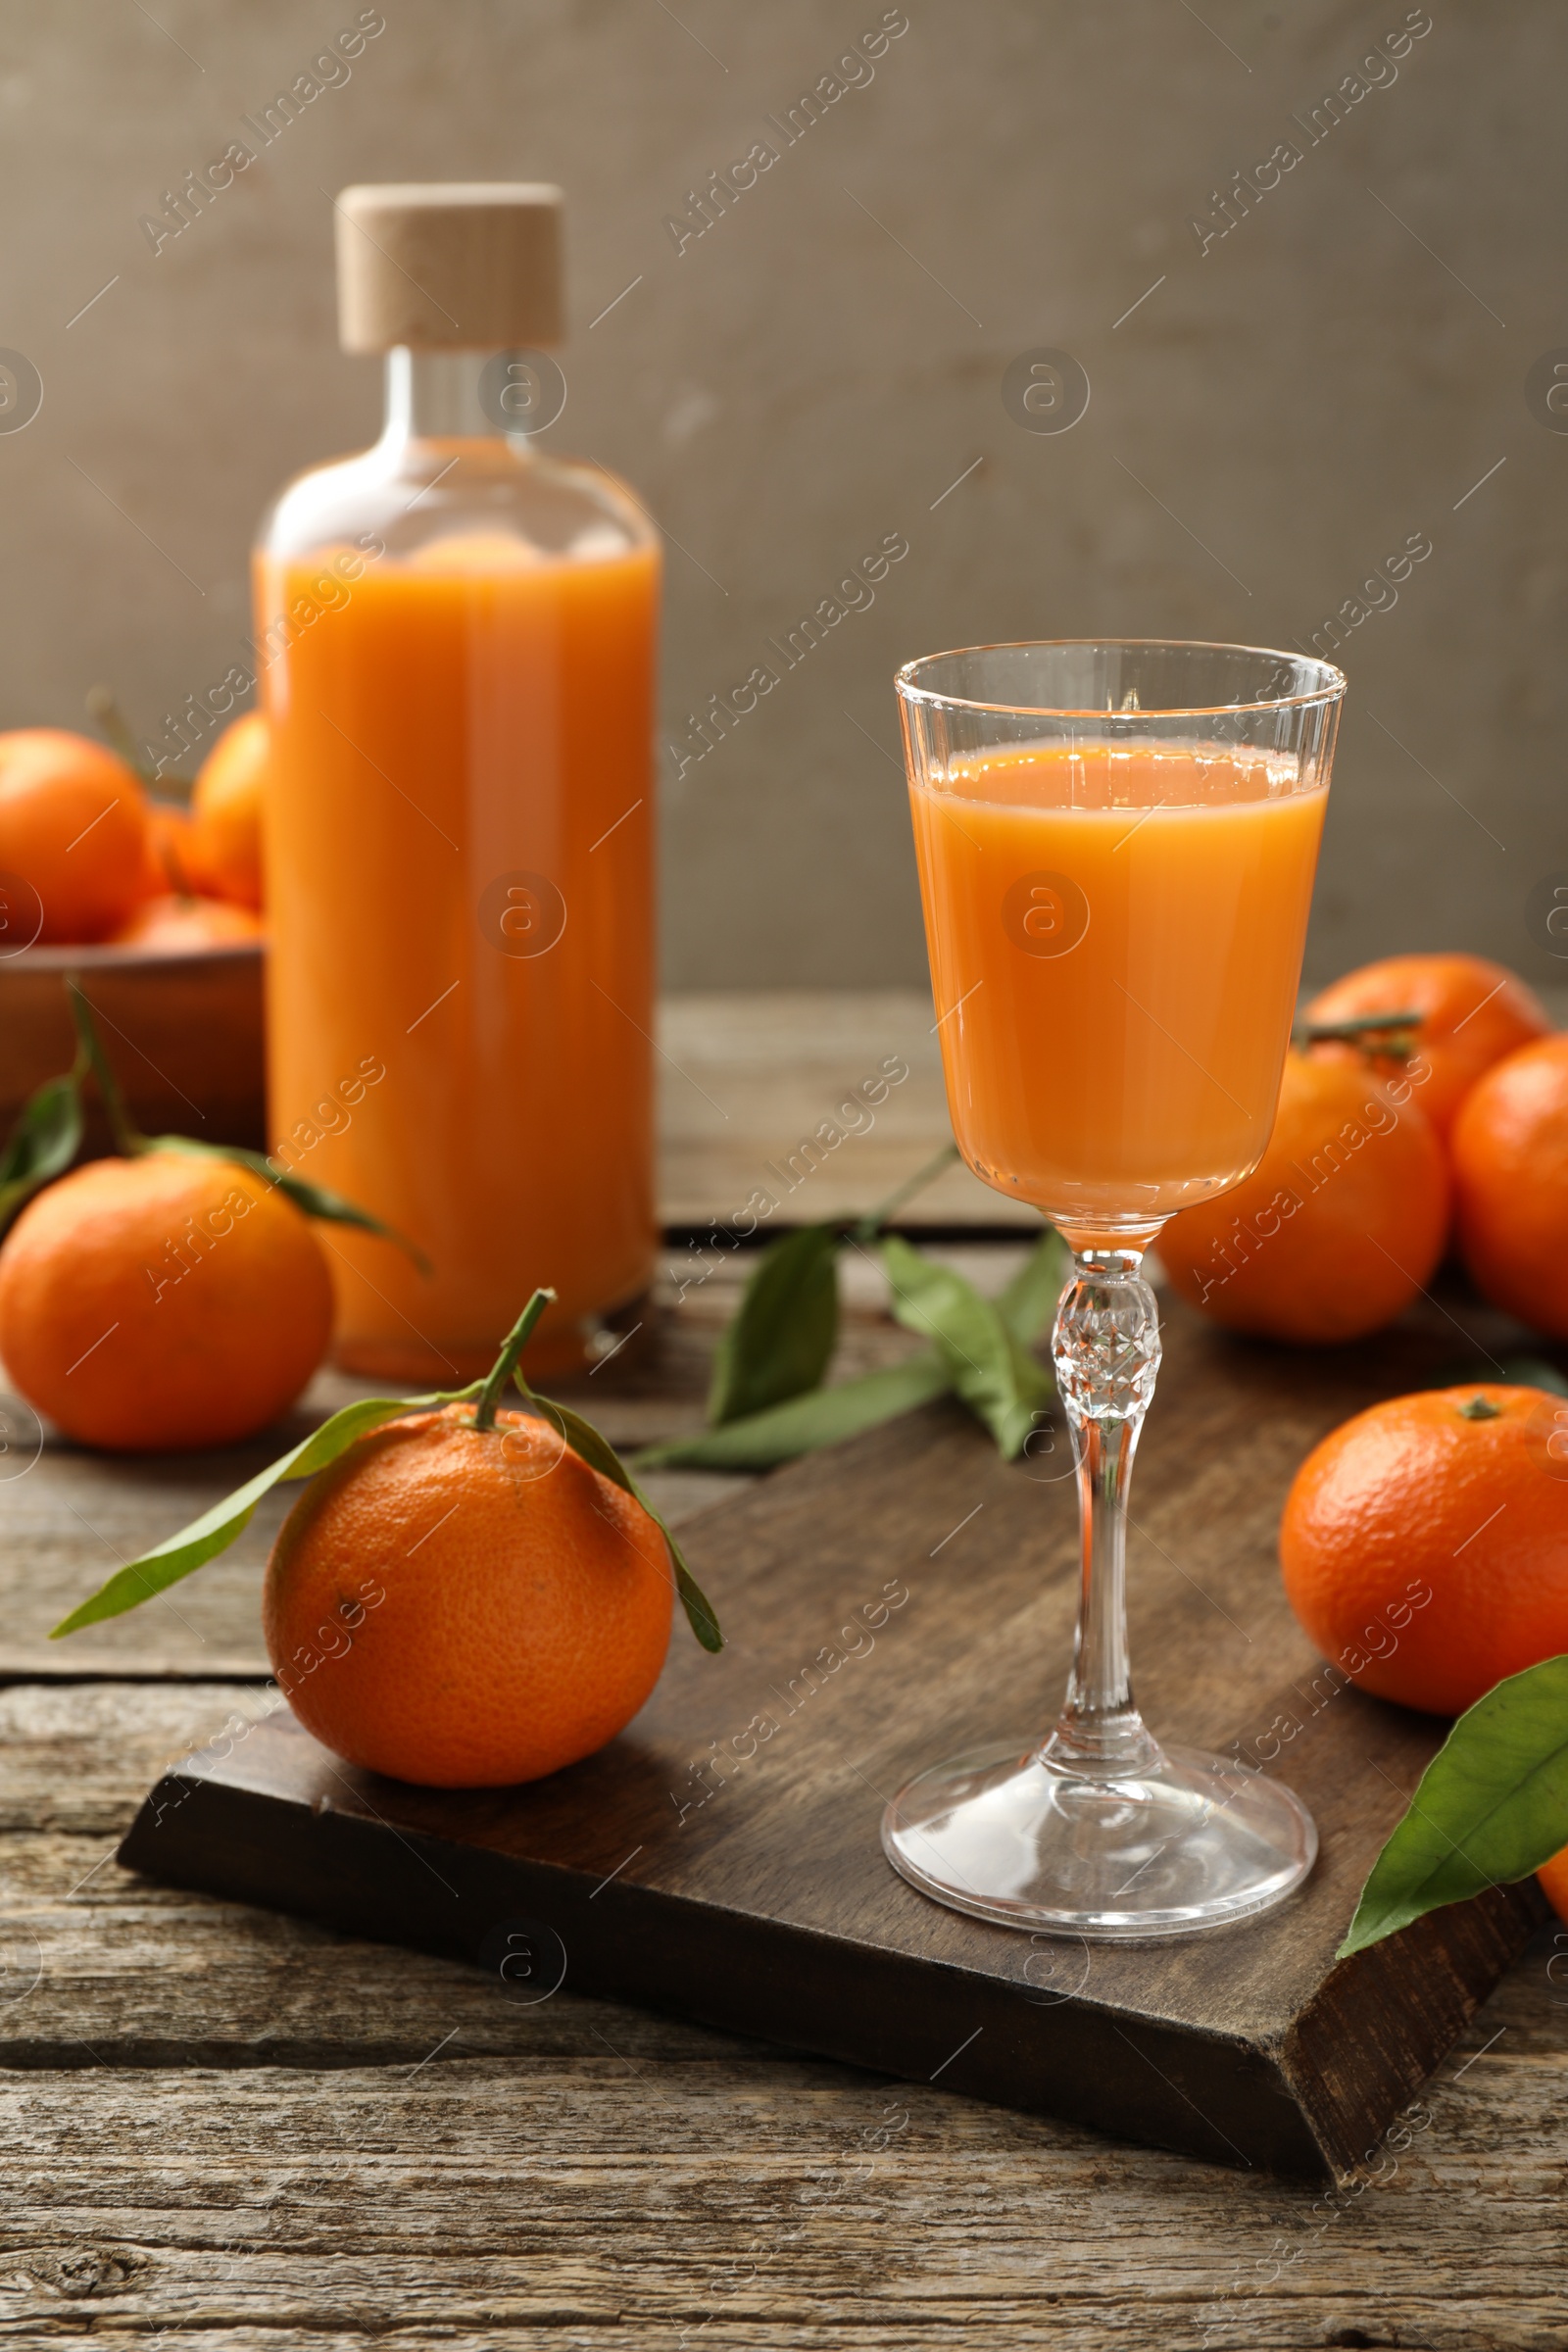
[749, 1891]
[621, 2180]
[77, 1756]
[794, 1094]
[763, 2206]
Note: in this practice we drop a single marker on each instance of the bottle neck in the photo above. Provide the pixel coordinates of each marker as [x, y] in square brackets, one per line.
[440, 396]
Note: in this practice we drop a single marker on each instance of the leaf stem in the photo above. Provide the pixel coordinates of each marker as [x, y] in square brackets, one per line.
[1363, 1030]
[867, 1228]
[506, 1364]
[126, 1137]
[106, 710]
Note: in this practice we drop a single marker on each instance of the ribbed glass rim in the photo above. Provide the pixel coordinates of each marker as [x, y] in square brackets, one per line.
[1331, 684]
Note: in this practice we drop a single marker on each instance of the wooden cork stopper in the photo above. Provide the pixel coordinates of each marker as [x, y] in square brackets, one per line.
[469, 267]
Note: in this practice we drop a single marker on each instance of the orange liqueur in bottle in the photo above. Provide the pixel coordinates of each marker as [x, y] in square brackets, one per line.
[458, 634]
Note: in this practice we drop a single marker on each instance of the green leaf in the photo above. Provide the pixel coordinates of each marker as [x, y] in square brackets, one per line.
[42, 1145]
[821, 1417]
[781, 1338]
[694, 1600]
[989, 1367]
[312, 1200]
[599, 1454]
[1491, 1806]
[1029, 1300]
[215, 1530]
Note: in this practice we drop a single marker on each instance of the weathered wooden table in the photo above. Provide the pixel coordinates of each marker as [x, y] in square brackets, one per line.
[226, 2129]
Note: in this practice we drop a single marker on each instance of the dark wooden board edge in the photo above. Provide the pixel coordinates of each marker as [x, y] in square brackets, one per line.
[1382, 2021]
[1210, 2095]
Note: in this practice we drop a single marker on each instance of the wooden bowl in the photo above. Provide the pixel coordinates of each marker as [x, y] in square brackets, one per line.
[183, 1034]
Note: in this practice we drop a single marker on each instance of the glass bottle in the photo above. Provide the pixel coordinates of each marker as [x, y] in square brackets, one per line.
[457, 636]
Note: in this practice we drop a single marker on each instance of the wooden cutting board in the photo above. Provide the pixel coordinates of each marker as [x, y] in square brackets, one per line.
[887, 1604]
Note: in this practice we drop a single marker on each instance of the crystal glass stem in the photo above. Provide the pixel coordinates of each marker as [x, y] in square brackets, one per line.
[1106, 1349]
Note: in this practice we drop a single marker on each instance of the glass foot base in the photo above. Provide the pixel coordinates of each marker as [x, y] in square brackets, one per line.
[1193, 1841]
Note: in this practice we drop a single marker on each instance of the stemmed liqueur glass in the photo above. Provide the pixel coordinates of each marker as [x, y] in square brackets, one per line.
[1116, 844]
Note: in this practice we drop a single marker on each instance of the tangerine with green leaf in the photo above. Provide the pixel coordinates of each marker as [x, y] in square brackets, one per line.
[163, 1303]
[466, 1606]
[1471, 1013]
[461, 1597]
[1424, 1543]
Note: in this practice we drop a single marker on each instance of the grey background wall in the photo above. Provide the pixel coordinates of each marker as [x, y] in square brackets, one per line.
[1274, 411]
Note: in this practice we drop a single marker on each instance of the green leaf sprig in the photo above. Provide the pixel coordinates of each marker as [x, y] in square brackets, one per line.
[767, 1404]
[48, 1134]
[1491, 1806]
[43, 1144]
[179, 1555]
[989, 1367]
[780, 1340]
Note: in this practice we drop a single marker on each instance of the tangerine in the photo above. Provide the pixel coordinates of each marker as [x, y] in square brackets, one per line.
[467, 1607]
[74, 832]
[1338, 1227]
[1511, 1176]
[227, 806]
[1472, 1014]
[179, 923]
[1424, 1543]
[161, 1302]
[1553, 1878]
